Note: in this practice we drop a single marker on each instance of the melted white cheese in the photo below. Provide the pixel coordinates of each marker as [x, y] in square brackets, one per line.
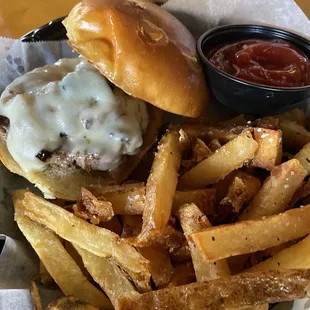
[70, 106]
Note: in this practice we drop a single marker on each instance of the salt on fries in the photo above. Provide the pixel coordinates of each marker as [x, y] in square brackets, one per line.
[213, 193]
[251, 236]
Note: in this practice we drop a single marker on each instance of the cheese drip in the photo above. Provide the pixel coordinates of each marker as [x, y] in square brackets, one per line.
[70, 106]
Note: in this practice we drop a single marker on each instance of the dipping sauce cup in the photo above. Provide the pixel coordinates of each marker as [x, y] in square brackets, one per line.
[248, 97]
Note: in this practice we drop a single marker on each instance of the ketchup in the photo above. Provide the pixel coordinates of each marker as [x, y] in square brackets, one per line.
[273, 63]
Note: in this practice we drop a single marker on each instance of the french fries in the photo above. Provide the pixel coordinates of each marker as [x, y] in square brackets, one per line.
[295, 115]
[303, 156]
[135, 237]
[35, 295]
[250, 236]
[200, 151]
[221, 133]
[125, 199]
[301, 193]
[108, 275]
[170, 238]
[295, 136]
[294, 257]
[241, 190]
[99, 241]
[160, 265]
[161, 187]
[129, 199]
[95, 209]
[203, 198]
[183, 273]
[76, 257]
[56, 260]
[229, 157]
[214, 145]
[193, 220]
[269, 151]
[277, 191]
[242, 290]
[70, 302]
[181, 254]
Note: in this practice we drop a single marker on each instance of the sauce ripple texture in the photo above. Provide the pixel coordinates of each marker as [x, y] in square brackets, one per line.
[272, 63]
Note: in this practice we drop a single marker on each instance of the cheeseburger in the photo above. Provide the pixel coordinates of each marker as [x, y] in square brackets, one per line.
[89, 120]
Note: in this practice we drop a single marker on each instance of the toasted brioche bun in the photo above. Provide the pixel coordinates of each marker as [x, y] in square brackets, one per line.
[66, 183]
[143, 50]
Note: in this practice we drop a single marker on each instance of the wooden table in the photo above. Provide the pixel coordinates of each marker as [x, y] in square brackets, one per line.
[20, 16]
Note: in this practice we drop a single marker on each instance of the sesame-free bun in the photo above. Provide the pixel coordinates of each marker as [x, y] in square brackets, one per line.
[143, 50]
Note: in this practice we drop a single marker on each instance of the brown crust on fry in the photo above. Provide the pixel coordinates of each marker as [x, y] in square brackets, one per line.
[143, 50]
[243, 290]
[95, 209]
[69, 303]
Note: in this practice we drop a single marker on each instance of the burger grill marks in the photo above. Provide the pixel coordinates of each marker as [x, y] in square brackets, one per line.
[67, 114]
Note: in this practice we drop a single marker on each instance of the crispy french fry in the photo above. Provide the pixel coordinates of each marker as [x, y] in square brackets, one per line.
[203, 198]
[214, 145]
[258, 257]
[183, 273]
[181, 254]
[250, 236]
[193, 220]
[185, 141]
[285, 260]
[70, 302]
[125, 199]
[170, 238]
[295, 115]
[161, 186]
[295, 136]
[242, 290]
[108, 275]
[56, 260]
[200, 151]
[229, 157]
[301, 193]
[294, 257]
[99, 241]
[36, 299]
[223, 134]
[95, 209]
[129, 199]
[160, 265]
[303, 156]
[268, 122]
[269, 152]
[242, 189]
[277, 191]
